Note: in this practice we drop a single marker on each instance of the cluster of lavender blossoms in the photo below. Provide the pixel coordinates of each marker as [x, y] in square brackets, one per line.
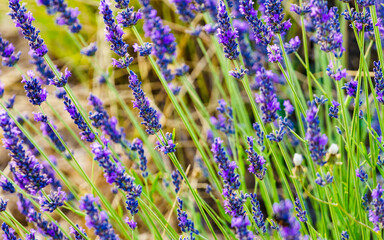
[23, 20]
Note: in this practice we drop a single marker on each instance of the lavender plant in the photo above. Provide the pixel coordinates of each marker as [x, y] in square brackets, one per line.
[205, 125]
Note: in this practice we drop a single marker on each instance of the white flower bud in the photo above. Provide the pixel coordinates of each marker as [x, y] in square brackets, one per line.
[333, 149]
[297, 159]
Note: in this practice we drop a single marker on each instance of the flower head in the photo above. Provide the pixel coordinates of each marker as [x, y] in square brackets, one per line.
[147, 113]
[97, 219]
[226, 34]
[23, 20]
[89, 50]
[7, 52]
[267, 97]
[35, 93]
[257, 161]
[316, 140]
[56, 199]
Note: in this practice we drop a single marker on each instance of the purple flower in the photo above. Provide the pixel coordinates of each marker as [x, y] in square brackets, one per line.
[3, 204]
[137, 145]
[9, 233]
[184, 9]
[115, 173]
[316, 140]
[361, 20]
[78, 236]
[114, 35]
[128, 17]
[131, 223]
[226, 34]
[89, 50]
[97, 219]
[147, 113]
[238, 74]
[301, 213]
[86, 133]
[304, 9]
[6, 185]
[23, 20]
[31, 235]
[32, 87]
[257, 161]
[365, 3]
[336, 74]
[181, 71]
[274, 53]
[291, 227]
[56, 199]
[360, 173]
[166, 145]
[49, 229]
[288, 108]
[68, 16]
[143, 50]
[263, 34]
[48, 131]
[322, 182]
[327, 25]
[227, 168]
[351, 88]
[293, 45]
[376, 212]
[257, 214]
[186, 225]
[63, 79]
[27, 170]
[252, 57]
[164, 45]
[344, 235]
[274, 16]
[7, 52]
[278, 135]
[260, 135]
[224, 120]
[267, 97]
[176, 180]
[240, 224]
[334, 109]
[100, 119]
[379, 87]
[42, 68]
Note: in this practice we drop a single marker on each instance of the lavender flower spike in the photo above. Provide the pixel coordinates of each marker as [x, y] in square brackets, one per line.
[86, 133]
[114, 35]
[227, 168]
[9, 58]
[267, 97]
[23, 20]
[147, 113]
[376, 213]
[291, 227]
[68, 16]
[316, 140]
[257, 161]
[274, 16]
[56, 199]
[89, 50]
[379, 88]
[185, 224]
[28, 172]
[263, 34]
[96, 219]
[32, 87]
[9, 233]
[226, 34]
